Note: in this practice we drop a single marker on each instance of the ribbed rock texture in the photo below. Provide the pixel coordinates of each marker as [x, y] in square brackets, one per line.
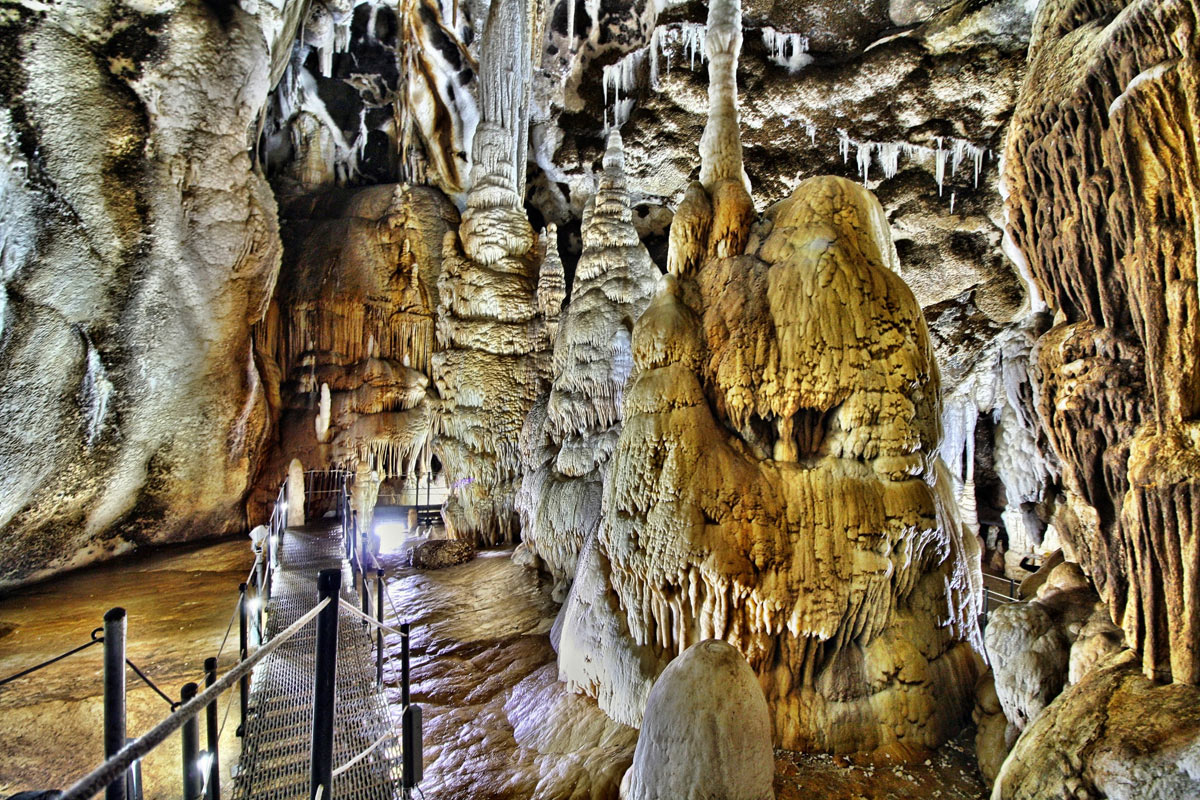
[815, 539]
[137, 248]
[1102, 166]
[568, 442]
[494, 364]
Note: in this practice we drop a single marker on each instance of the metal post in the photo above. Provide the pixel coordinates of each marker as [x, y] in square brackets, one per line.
[366, 592]
[244, 652]
[214, 733]
[379, 630]
[114, 693]
[261, 582]
[410, 723]
[403, 664]
[133, 778]
[329, 581]
[193, 780]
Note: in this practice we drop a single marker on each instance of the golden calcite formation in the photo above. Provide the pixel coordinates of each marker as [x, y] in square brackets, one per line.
[350, 337]
[1102, 170]
[567, 443]
[493, 364]
[818, 541]
[775, 482]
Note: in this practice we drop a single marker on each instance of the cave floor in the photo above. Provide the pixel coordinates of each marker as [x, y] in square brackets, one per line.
[498, 724]
[179, 603]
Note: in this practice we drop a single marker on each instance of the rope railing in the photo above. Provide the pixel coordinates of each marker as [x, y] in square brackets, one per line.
[114, 768]
[348, 606]
[94, 641]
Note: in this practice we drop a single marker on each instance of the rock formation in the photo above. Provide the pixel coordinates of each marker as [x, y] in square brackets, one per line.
[372, 91]
[493, 365]
[348, 342]
[1115, 734]
[815, 539]
[137, 247]
[567, 443]
[706, 732]
[1101, 169]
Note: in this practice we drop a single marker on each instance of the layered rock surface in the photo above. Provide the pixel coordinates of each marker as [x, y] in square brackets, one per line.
[138, 248]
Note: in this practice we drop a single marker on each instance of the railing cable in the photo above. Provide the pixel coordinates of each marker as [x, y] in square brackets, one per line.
[348, 606]
[95, 640]
[174, 704]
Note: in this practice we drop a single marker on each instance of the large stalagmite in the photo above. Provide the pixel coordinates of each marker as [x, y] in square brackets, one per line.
[567, 443]
[775, 483]
[493, 365]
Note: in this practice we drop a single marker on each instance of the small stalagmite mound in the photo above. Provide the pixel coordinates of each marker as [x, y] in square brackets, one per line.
[706, 734]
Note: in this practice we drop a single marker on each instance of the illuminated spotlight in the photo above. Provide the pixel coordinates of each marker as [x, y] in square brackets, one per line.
[252, 605]
[391, 535]
[204, 763]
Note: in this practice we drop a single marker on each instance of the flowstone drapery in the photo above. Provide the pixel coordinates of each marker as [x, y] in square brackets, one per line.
[567, 443]
[819, 539]
[347, 343]
[1101, 169]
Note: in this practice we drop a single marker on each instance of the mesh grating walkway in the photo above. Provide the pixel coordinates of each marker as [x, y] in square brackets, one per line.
[275, 759]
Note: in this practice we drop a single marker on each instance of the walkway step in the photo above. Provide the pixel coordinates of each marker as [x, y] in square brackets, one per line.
[275, 759]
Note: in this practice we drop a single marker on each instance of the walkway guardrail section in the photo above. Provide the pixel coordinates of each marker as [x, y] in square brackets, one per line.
[280, 585]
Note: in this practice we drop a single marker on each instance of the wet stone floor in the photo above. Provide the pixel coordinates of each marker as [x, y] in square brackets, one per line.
[179, 603]
[497, 723]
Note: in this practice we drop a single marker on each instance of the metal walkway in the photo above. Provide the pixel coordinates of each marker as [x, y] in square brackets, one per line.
[275, 760]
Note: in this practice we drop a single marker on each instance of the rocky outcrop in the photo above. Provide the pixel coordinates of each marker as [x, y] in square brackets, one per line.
[441, 553]
[1038, 647]
[1101, 169]
[138, 247]
[814, 539]
[1114, 734]
[493, 366]
[567, 444]
[706, 732]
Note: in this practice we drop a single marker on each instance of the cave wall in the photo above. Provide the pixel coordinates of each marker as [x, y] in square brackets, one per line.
[1101, 172]
[138, 246]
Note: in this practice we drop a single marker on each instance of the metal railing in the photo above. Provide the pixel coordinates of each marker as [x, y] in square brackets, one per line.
[119, 777]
